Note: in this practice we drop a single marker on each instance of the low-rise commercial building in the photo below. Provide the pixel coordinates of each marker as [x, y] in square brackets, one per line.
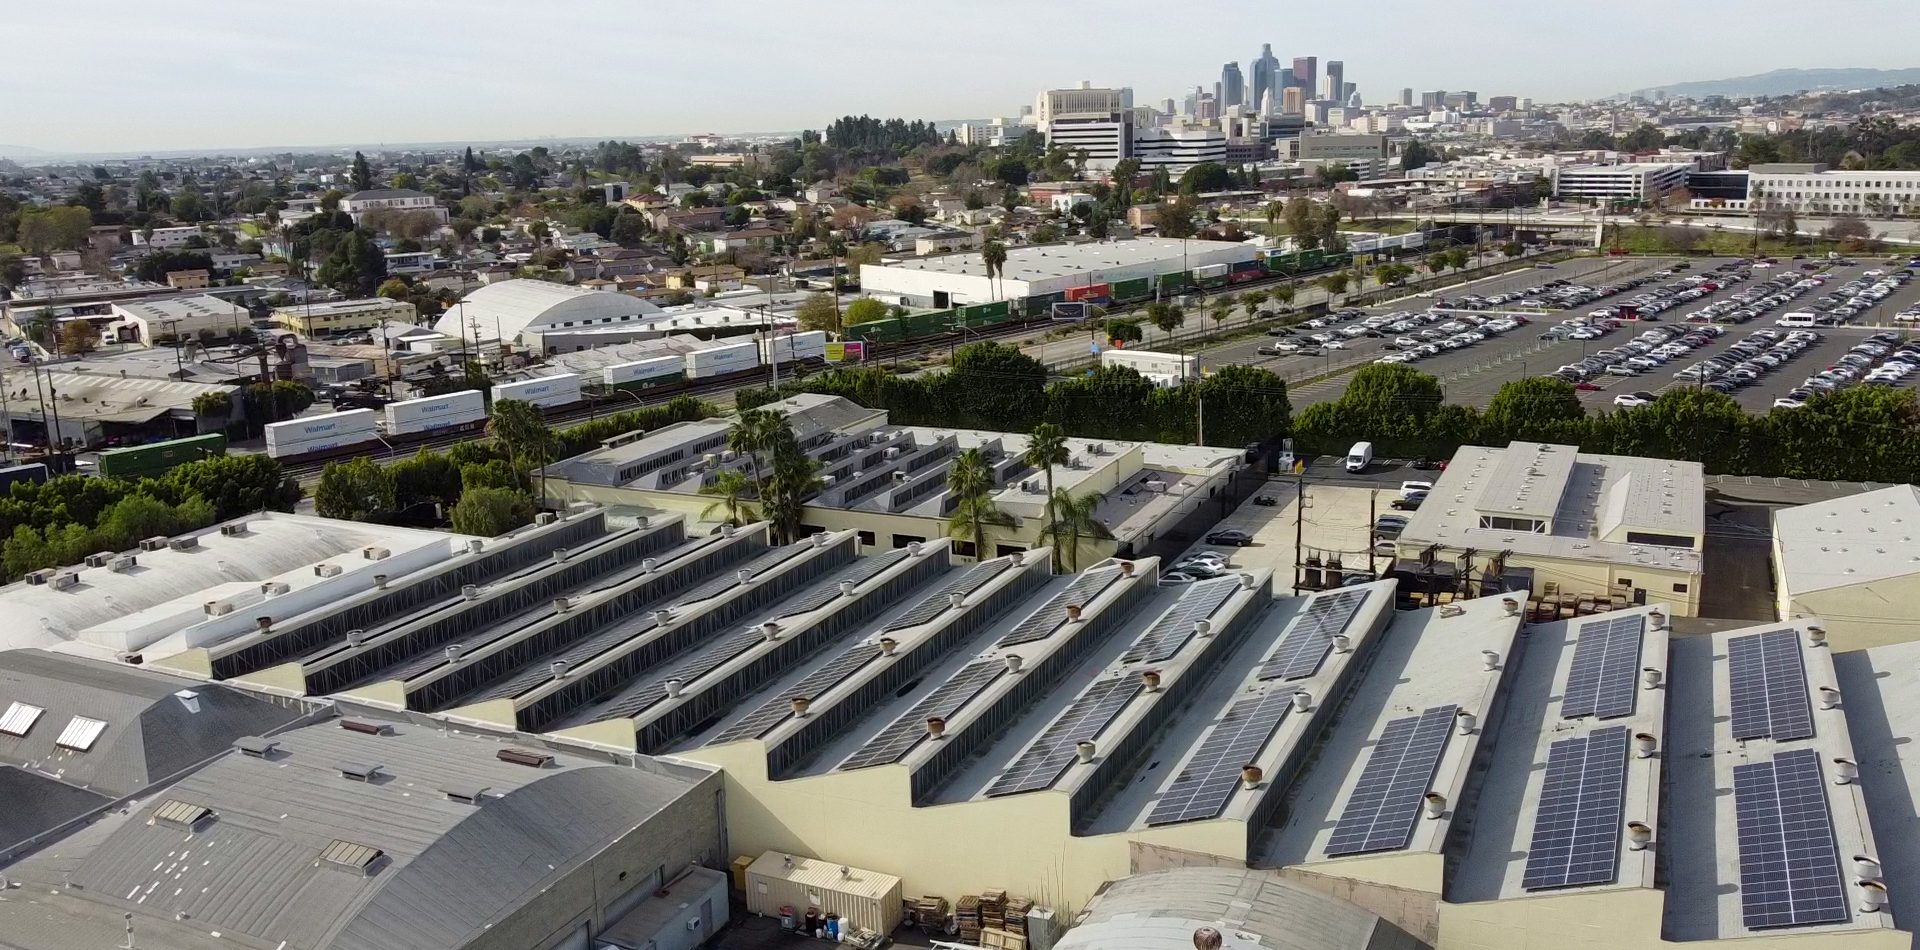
[1853, 562]
[392, 203]
[166, 239]
[1552, 521]
[1036, 271]
[330, 317]
[171, 318]
[1817, 189]
[1629, 182]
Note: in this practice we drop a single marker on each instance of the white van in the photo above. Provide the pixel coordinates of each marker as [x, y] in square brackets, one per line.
[1798, 318]
[1360, 456]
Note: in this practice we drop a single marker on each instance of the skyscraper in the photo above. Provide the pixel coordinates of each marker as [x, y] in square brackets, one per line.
[1266, 75]
[1306, 75]
[1406, 96]
[1293, 100]
[1286, 81]
[1233, 87]
[1336, 80]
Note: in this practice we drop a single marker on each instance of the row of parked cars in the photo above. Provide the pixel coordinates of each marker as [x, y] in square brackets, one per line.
[1745, 362]
[1882, 359]
[1436, 332]
[1653, 348]
[1861, 294]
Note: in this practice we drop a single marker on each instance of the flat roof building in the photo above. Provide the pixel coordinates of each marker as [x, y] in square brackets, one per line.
[343, 316]
[1818, 189]
[1632, 181]
[184, 317]
[1854, 562]
[1038, 271]
[1564, 522]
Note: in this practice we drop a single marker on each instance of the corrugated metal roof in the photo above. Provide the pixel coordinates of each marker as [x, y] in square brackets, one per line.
[1251, 909]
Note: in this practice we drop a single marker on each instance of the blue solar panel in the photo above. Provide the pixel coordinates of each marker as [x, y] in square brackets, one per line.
[1175, 627]
[1767, 678]
[1577, 825]
[1205, 784]
[941, 600]
[1606, 660]
[1305, 647]
[1386, 801]
[777, 710]
[1041, 624]
[899, 737]
[1040, 765]
[1789, 864]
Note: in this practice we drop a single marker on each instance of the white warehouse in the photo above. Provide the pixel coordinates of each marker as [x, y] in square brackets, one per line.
[957, 279]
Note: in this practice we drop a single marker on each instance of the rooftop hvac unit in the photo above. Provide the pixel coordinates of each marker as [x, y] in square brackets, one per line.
[123, 564]
[217, 608]
[154, 543]
[360, 772]
[274, 588]
[543, 518]
[326, 570]
[891, 453]
[37, 578]
[526, 757]
[256, 746]
[366, 727]
[233, 530]
[64, 580]
[375, 553]
[184, 544]
[99, 559]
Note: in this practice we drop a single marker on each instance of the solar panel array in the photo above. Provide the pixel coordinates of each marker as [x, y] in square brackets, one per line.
[729, 578]
[1769, 686]
[1041, 624]
[1305, 647]
[1202, 789]
[1605, 661]
[639, 698]
[1789, 865]
[776, 710]
[1175, 628]
[1049, 755]
[940, 600]
[899, 737]
[859, 572]
[1577, 825]
[1386, 801]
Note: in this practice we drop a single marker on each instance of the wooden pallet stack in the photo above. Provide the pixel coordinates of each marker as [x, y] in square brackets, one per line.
[1017, 915]
[966, 915]
[928, 911]
[994, 938]
[993, 909]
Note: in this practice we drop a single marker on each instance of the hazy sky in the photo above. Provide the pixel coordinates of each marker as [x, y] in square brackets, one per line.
[121, 75]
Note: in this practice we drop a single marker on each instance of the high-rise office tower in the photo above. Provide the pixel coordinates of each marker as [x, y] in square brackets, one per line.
[1348, 91]
[1406, 96]
[1166, 107]
[1266, 75]
[1336, 80]
[1287, 80]
[1293, 100]
[1233, 87]
[1306, 75]
[1353, 97]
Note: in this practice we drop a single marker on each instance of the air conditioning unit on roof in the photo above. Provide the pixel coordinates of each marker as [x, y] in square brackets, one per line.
[64, 580]
[37, 578]
[154, 543]
[184, 544]
[233, 530]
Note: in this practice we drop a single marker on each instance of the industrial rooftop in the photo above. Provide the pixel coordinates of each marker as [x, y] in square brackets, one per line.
[1067, 260]
[1858, 539]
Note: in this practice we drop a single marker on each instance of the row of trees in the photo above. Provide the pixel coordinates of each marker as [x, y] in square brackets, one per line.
[1866, 433]
[66, 518]
[996, 387]
[482, 486]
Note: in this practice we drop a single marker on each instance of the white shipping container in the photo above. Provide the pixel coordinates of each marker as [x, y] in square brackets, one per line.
[795, 346]
[1209, 270]
[720, 360]
[291, 449]
[546, 391]
[1150, 363]
[660, 367]
[329, 425]
[435, 412]
[861, 897]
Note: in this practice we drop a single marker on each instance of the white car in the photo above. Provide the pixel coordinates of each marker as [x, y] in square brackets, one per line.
[1408, 488]
[1787, 402]
[1631, 401]
[1335, 344]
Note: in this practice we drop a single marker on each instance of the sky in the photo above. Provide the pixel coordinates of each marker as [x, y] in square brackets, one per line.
[133, 75]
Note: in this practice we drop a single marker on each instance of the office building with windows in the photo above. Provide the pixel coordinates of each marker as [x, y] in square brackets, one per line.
[1631, 181]
[1815, 189]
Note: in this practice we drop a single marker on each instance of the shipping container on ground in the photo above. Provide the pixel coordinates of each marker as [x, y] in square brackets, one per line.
[156, 459]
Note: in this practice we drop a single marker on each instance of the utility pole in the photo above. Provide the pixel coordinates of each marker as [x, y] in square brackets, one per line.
[1373, 518]
[1299, 525]
[1200, 419]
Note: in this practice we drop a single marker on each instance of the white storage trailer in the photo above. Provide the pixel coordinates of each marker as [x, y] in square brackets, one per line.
[721, 360]
[283, 450]
[658, 369]
[546, 391]
[351, 425]
[436, 412]
[1151, 363]
[811, 345]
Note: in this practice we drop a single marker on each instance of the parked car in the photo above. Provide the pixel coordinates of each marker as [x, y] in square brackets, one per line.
[1633, 400]
[1230, 536]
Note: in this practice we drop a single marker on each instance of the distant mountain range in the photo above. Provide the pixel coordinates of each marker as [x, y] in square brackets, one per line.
[1783, 82]
[19, 151]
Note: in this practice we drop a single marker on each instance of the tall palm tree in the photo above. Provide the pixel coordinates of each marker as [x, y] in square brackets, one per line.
[1073, 520]
[971, 482]
[1273, 212]
[795, 479]
[994, 255]
[753, 432]
[731, 488]
[1046, 448]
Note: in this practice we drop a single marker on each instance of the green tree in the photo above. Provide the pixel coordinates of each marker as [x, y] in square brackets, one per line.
[491, 512]
[428, 478]
[865, 310]
[235, 484]
[213, 405]
[362, 174]
[1686, 423]
[1334, 284]
[1536, 409]
[732, 488]
[356, 490]
[1168, 317]
[795, 479]
[41, 231]
[1046, 449]
[1074, 518]
[753, 434]
[970, 482]
[1123, 331]
[356, 266]
[818, 312]
[993, 256]
[1174, 219]
[1205, 177]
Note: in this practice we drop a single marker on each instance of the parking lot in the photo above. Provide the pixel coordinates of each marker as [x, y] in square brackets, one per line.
[1472, 371]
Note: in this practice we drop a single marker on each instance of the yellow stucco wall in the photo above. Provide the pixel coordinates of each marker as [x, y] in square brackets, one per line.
[1863, 615]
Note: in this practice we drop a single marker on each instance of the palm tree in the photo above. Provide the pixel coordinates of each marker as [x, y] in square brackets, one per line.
[731, 488]
[994, 255]
[1046, 448]
[795, 480]
[971, 482]
[1273, 212]
[1074, 520]
[754, 432]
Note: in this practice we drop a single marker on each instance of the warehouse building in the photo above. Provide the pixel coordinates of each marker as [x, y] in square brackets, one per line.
[333, 317]
[89, 410]
[176, 318]
[1162, 910]
[888, 483]
[1560, 524]
[1854, 563]
[515, 311]
[956, 279]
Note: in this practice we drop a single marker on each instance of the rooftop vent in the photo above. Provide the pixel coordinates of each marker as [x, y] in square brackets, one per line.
[349, 856]
[526, 757]
[98, 558]
[184, 544]
[182, 814]
[326, 570]
[40, 577]
[154, 543]
[233, 530]
[217, 608]
[274, 588]
[258, 747]
[64, 580]
[375, 553]
[360, 772]
[366, 727]
[123, 564]
[466, 794]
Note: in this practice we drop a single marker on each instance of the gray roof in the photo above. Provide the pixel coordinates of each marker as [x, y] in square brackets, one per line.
[38, 803]
[1858, 539]
[1251, 909]
[150, 735]
[447, 869]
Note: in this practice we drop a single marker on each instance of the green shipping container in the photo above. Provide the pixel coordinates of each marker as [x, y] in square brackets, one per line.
[984, 314]
[152, 461]
[1175, 282]
[887, 330]
[927, 323]
[1130, 291]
